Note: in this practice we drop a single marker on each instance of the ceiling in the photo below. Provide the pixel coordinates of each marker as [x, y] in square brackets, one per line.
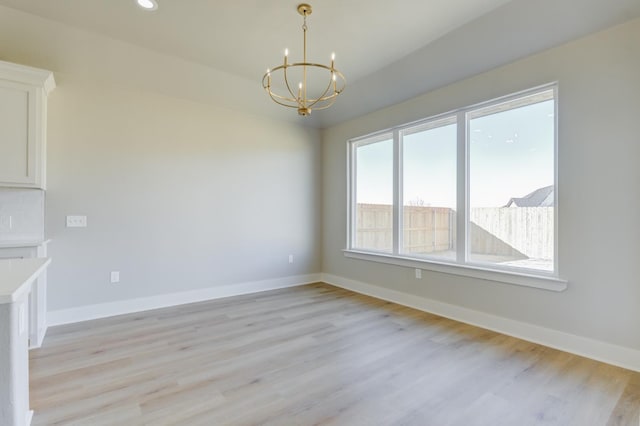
[244, 37]
[401, 47]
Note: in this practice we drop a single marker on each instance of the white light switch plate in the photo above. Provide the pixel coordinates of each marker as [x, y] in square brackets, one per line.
[76, 221]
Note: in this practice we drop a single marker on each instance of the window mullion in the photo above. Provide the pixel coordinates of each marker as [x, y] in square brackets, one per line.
[556, 263]
[351, 194]
[462, 205]
[397, 191]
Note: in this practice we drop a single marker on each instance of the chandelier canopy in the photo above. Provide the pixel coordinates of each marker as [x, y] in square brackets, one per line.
[317, 86]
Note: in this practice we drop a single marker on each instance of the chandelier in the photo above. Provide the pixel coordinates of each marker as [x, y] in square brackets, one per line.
[318, 85]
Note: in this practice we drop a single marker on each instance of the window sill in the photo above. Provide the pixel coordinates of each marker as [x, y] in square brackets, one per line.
[484, 273]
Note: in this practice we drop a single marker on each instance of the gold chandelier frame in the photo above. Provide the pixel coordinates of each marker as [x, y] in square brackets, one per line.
[305, 104]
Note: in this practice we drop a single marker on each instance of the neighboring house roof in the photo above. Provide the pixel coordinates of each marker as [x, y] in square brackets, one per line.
[541, 197]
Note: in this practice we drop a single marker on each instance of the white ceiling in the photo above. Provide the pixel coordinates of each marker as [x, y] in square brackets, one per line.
[244, 37]
[401, 48]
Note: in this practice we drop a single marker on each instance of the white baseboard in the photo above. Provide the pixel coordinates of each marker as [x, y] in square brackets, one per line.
[38, 344]
[600, 351]
[103, 310]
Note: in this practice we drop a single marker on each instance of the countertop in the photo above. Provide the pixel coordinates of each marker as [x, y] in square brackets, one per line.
[22, 243]
[16, 276]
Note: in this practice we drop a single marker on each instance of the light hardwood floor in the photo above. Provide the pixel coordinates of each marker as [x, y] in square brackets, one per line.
[315, 355]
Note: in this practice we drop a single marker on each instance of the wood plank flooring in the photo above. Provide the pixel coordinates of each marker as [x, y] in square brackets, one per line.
[315, 355]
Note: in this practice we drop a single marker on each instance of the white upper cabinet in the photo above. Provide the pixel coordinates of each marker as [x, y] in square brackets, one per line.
[23, 125]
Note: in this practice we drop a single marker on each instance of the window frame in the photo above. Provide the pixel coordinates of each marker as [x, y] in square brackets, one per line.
[462, 266]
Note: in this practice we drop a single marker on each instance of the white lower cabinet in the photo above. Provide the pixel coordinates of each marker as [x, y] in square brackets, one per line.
[37, 300]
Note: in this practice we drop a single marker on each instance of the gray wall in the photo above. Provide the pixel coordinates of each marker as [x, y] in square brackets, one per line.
[599, 103]
[179, 195]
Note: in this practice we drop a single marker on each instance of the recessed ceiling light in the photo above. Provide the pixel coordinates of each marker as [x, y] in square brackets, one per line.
[147, 4]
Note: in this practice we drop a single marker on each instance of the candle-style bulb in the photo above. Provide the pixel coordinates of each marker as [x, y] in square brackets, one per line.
[300, 86]
[286, 52]
[333, 56]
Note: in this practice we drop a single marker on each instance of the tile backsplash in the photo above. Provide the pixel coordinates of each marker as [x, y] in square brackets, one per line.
[21, 215]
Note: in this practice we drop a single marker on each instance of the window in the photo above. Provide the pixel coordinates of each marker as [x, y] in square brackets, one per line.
[511, 183]
[429, 189]
[373, 169]
[472, 189]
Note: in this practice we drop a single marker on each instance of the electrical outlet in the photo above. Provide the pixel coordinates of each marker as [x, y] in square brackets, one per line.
[418, 274]
[115, 277]
[290, 258]
[76, 221]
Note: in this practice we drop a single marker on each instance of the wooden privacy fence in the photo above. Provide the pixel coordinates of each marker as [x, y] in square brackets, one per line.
[426, 229]
[374, 226]
[513, 232]
[527, 229]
